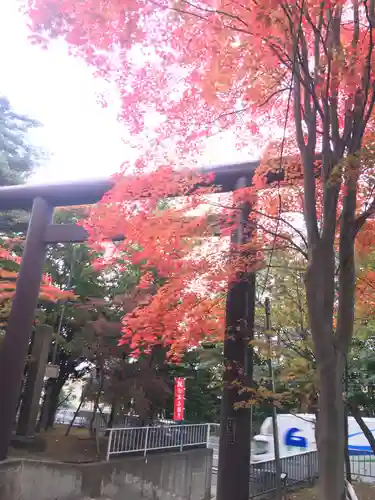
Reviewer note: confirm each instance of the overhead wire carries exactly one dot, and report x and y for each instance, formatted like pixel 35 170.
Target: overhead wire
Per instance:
pixel 294 60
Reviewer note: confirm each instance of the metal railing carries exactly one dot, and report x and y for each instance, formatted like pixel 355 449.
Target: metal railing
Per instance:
pixel 119 421
pixel 302 468
pixel 144 439
pixel 84 417
pixel 297 469
pixel 362 466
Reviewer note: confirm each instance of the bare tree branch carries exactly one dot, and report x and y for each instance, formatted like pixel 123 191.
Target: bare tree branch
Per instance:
pixel 284 221
pixel 283 237
pixel 361 219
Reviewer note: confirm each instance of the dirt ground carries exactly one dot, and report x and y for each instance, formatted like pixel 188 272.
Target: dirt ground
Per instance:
pixel 76 447
pixel 364 492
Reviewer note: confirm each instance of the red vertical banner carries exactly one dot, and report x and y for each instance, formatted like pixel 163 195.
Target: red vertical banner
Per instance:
pixel 179 399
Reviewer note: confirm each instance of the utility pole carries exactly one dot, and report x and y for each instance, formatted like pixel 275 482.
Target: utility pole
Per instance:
pixel 275 429
pixel 348 473
pixel 235 425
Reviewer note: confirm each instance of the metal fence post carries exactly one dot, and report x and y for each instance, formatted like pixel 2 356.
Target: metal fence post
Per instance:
pixel 146 441
pixel 109 444
pixel 181 439
pixel 310 468
pixel 208 434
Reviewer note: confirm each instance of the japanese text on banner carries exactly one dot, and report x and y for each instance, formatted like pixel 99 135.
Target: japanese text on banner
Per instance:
pixel 179 399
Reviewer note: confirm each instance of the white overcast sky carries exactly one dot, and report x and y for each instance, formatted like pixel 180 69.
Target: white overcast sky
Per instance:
pixel 85 139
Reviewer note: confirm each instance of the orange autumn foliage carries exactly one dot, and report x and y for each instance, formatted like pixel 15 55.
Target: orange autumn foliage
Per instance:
pixel 8 281
pixel 203 67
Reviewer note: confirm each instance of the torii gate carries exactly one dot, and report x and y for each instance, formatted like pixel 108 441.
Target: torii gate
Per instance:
pixel 235 435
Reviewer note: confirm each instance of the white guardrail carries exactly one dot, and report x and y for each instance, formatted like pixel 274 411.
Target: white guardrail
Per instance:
pixel 144 439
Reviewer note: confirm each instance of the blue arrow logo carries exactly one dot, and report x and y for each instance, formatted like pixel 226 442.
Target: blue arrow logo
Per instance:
pixel 292 440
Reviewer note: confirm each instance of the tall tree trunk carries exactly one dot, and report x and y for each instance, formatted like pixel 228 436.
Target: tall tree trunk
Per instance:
pixel 331 433
pixel 112 415
pixel 50 401
pixel 92 420
pixel 330 367
pixel 53 405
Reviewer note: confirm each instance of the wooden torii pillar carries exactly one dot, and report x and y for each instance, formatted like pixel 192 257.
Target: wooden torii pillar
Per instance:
pixel 41 231
pixel 42 199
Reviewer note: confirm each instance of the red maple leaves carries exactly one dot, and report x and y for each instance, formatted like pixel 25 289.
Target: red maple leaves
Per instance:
pixel 186 71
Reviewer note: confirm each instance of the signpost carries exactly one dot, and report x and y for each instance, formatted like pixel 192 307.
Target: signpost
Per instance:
pixel 179 399
pixel 52 371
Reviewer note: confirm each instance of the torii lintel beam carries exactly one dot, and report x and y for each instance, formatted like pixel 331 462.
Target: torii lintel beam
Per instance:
pixel 68 233
pixel 87 192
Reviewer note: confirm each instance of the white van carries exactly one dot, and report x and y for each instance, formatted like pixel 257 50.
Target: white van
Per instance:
pixel 297 435
pixel 65 416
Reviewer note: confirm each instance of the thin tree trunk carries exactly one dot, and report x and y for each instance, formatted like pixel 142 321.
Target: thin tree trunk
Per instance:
pixel 96 403
pixel 42 409
pixel 25 372
pixel 20 399
pixel 52 403
pixel 95 409
pixel 52 409
pixel 362 425
pixel 59 404
pixel 112 415
pixel 103 416
pixel 75 415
